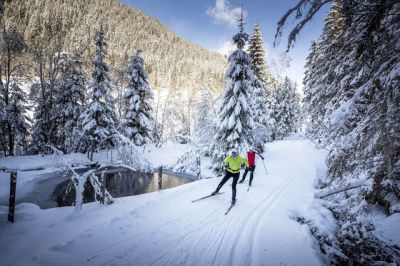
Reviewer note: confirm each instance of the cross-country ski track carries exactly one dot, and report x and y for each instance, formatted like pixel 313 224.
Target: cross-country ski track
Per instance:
pixel 166 228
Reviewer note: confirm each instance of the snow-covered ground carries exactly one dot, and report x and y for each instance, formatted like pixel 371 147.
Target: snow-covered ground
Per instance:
pixel 166 228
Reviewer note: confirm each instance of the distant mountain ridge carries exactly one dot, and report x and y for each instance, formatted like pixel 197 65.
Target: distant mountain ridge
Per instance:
pixel 170 61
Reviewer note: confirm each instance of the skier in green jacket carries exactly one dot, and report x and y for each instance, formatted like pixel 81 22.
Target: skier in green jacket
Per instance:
pixel 233 164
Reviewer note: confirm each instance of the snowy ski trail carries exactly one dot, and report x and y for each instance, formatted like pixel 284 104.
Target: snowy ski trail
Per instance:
pixel 166 228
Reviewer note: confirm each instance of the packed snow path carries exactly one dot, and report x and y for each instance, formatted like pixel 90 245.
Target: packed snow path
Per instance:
pixel 165 228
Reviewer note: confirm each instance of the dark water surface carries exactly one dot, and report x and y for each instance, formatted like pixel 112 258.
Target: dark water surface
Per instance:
pixel 51 190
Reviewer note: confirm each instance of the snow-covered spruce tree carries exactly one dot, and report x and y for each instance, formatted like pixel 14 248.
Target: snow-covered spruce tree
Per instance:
pixel 312 72
pixel 137 118
pixel 262 93
pixel 39 94
pixel 264 123
pixel 288 111
pixel 70 102
pixel 98 121
pixel 18 118
pixel 258 57
pixel 257 53
pixel 235 122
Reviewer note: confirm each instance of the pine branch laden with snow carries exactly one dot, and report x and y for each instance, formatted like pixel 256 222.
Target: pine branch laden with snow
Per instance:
pixel 98 121
pixel 235 122
pixel 137 118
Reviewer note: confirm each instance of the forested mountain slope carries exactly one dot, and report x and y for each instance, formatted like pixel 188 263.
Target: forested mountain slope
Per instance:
pixel 171 61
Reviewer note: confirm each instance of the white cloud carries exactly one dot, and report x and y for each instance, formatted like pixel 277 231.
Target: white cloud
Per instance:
pixel 224 13
pixel 225 48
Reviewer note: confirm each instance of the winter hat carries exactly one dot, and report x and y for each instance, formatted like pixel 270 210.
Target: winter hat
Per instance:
pixel 234 150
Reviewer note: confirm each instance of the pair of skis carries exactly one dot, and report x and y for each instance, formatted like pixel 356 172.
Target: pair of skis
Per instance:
pixel 211 195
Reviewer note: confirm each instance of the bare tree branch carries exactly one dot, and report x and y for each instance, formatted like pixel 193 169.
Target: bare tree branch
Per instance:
pixel 338 191
pixel 315 6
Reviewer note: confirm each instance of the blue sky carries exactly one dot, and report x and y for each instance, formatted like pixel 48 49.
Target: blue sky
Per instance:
pixel 210 24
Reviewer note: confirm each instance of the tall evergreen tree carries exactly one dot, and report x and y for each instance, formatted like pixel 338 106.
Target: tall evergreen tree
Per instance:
pixel 98 121
pixel 262 93
pixel 18 118
pixel 235 116
pixel 40 95
pixel 257 54
pixel 70 101
pixel 137 118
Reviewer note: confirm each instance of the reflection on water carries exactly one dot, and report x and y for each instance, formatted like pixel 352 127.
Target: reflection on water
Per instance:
pixel 121 183
pixel 128 183
pixel 56 190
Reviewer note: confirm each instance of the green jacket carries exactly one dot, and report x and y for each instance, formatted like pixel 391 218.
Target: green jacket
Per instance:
pixel 233 165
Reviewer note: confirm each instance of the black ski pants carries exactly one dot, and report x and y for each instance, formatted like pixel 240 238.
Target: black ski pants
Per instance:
pixel 251 170
pixel 234 182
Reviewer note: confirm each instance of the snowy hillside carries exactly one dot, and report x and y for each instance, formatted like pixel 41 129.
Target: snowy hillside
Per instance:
pixel 170 59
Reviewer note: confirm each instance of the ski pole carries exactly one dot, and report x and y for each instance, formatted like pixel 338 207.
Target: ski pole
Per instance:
pixel 265 168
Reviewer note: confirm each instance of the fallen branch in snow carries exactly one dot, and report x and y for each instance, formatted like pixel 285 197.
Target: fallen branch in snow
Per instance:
pixel 338 191
pixel 332 189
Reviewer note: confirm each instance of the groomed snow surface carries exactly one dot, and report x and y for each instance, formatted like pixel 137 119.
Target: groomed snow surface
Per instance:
pixel 166 228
